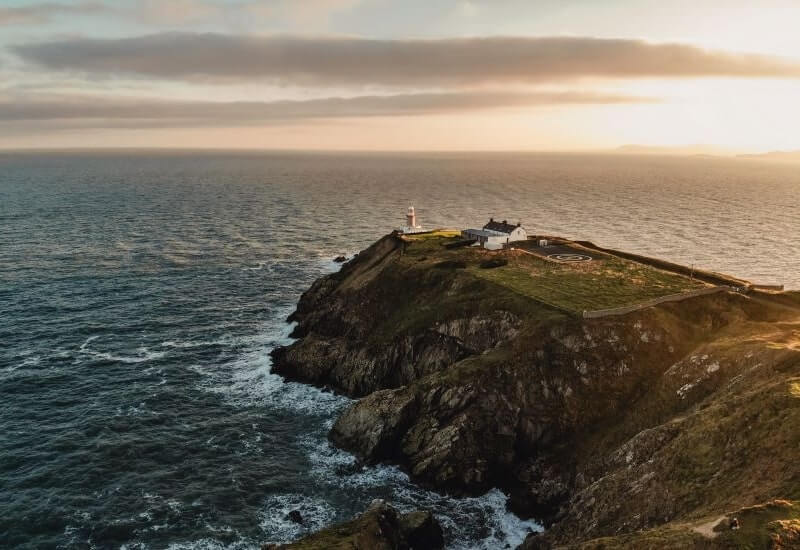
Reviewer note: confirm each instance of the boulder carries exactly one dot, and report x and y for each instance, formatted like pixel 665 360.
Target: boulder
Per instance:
pixel 295 516
pixel 380 527
pixel 421 530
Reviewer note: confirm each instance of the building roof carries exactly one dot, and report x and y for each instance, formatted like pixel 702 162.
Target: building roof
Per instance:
pixel 502 227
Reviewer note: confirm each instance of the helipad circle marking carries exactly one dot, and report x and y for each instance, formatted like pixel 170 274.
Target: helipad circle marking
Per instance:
pixel 570 257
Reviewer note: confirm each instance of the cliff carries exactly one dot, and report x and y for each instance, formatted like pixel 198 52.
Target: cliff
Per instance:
pixel 666 418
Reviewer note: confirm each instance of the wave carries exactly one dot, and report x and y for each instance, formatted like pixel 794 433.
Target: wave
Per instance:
pixel 207 544
pixel 474 522
pixel 316 513
pixel 144 354
pixel 246 381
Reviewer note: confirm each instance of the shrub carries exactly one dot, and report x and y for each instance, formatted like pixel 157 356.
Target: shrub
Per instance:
pixel 493 262
pixel 451 264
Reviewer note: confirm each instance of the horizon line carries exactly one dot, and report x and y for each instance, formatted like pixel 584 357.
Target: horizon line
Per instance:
pixel 620 150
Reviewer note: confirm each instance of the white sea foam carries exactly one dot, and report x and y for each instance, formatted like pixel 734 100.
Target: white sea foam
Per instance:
pixel 191 344
pixel 31 361
pixel 315 511
pixel 247 380
pixel 480 522
pixel 135 410
pixel 87 342
pixel 143 354
pixel 212 544
pixel 458 516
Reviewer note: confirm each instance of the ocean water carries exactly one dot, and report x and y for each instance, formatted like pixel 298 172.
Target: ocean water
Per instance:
pixel 141 293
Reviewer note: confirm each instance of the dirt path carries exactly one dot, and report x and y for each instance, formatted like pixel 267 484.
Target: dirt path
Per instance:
pixel 707 529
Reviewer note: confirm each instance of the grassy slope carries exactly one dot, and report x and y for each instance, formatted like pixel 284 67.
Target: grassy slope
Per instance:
pixel 599 284
pixel 418 295
pixel 773 525
pixel 730 417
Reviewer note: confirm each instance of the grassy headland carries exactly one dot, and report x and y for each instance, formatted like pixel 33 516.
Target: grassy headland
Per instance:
pixel 642 430
pixel 604 282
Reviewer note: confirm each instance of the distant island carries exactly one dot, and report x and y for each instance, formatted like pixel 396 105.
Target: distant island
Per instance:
pixel 705 151
pixel 786 156
pixel 622 401
pixel 678 150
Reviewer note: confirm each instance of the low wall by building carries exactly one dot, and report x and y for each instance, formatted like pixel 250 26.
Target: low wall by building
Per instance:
pixel 771 288
pixel 654 302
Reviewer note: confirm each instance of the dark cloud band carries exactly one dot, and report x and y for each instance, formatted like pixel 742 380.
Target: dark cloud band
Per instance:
pixel 352 61
pixel 114 112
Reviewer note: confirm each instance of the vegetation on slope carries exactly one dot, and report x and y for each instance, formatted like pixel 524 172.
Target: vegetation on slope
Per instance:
pixel 605 282
pixel 774 525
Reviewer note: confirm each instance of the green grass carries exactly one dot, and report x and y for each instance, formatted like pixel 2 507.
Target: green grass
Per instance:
pixel 431 244
pixel 603 283
pixel 426 303
pixel 599 284
pixel 758 525
pixel 436 234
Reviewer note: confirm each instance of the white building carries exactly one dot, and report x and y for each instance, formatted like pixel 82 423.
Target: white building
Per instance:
pixel 496 235
pixel 411 222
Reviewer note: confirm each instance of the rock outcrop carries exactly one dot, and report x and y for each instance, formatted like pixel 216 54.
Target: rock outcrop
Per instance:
pixel 381 527
pixel 596 427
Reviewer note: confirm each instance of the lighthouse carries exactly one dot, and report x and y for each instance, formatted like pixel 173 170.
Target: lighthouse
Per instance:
pixel 411 217
pixel 411 222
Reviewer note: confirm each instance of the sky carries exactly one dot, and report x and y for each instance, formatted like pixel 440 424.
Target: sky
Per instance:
pixel 516 75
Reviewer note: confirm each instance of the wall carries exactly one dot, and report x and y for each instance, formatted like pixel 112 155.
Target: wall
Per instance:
pixel 767 287
pixel 654 302
pixel 699 274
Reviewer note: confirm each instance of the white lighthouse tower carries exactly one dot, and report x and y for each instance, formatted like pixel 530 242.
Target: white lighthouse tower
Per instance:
pixel 411 217
pixel 411 222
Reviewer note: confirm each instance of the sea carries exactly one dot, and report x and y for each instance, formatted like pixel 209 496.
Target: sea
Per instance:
pixel 141 293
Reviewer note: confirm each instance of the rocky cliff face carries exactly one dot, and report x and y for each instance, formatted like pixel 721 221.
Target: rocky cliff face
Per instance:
pixel 598 427
pixel 354 325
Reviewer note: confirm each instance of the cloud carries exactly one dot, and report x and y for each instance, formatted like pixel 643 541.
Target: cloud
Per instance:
pixel 178 12
pixel 112 112
pixel 355 61
pixel 298 12
pixel 175 11
pixel 44 12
